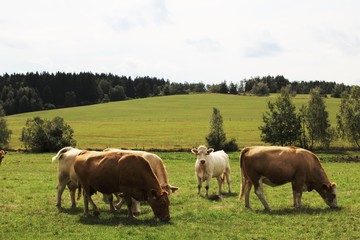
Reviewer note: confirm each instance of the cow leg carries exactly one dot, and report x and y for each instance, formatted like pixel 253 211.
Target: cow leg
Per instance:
pixel 87 199
pixel 220 182
pixel 227 177
pixel 111 202
pixel 207 187
pixel 199 185
pixel 60 189
pixel 247 188
pixel 135 207
pixel 128 202
pixel 72 188
pixel 297 193
pixel 260 193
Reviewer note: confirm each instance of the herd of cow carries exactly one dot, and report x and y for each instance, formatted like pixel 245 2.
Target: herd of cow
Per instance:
pixel 134 176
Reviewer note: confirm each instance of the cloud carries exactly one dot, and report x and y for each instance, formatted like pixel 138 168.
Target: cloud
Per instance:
pixel 205 45
pixel 263 49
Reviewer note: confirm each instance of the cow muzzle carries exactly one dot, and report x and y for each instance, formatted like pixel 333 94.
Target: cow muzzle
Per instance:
pixel 202 161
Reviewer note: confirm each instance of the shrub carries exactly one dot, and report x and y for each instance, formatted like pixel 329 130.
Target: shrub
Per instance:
pixel 42 135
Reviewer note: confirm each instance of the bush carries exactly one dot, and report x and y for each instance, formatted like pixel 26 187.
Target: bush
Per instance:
pixel 42 135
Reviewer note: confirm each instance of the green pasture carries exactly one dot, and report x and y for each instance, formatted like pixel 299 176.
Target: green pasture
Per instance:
pixel 28 211
pixel 165 123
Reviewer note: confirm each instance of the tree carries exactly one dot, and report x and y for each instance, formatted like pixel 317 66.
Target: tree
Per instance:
pixel 117 93
pixel 217 137
pixel 281 124
pixel 5 133
pixel 317 120
pixel 42 135
pixel 348 119
pixel 260 89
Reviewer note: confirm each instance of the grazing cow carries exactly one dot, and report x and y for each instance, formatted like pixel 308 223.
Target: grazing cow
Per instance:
pixel 275 166
pixel 66 157
pixel 159 169
pixel 114 172
pixel 211 164
pixel 2 155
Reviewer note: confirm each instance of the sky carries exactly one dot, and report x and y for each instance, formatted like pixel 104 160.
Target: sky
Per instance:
pixel 208 41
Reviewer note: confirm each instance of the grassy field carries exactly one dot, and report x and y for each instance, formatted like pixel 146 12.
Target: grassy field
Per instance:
pixel 28 211
pixel 171 122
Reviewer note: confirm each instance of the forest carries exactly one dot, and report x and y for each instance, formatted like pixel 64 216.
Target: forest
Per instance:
pixel 35 91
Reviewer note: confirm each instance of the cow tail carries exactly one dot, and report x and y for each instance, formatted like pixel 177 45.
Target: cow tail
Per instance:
pixel 242 172
pixel 60 153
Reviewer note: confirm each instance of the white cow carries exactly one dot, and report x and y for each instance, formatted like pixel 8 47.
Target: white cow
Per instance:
pixel 211 164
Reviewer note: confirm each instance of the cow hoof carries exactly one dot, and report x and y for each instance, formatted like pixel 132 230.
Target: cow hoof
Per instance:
pixel 96 213
pixel 136 214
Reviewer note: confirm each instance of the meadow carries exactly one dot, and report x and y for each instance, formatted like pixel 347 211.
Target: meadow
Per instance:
pixel 176 122
pixel 28 181
pixel 28 211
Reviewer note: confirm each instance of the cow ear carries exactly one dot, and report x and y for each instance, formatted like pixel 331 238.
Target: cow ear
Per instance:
pixel 173 188
pixel 5 152
pixel 194 151
pixel 210 150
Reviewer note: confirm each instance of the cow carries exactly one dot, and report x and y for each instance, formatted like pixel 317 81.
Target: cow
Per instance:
pixel 210 164
pixel 159 169
pixel 2 155
pixel 66 157
pixel 114 172
pixel 276 166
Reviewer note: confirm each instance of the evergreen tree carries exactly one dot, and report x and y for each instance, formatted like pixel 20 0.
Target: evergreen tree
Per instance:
pixel 281 124
pixel 217 137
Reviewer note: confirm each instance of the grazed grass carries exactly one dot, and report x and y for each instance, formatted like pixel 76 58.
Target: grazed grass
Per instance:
pixel 28 196
pixel 171 122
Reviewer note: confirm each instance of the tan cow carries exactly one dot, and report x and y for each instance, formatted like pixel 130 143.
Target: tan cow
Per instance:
pixel 275 166
pixel 159 169
pixel 114 172
pixel 66 157
pixel 2 155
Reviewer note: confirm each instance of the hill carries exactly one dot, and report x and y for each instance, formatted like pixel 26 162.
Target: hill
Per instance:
pixel 174 122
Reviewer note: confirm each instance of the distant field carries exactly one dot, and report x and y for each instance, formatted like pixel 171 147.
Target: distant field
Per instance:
pixel 171 122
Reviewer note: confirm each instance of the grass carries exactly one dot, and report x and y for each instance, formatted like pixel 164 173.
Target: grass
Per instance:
pixel 28 211
pixel 172 122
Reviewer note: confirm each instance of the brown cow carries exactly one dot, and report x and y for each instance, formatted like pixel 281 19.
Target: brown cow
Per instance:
pixel 275 166
pixel 2 155
pixel 159 169
pixel 114 172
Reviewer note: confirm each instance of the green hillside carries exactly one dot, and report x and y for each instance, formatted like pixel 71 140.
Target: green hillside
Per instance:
pixel 171 122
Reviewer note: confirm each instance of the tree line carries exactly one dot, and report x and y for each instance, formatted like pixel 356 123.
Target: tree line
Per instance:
pixel 42 91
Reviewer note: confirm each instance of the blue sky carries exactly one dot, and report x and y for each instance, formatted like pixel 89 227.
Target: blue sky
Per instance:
pixel 205 41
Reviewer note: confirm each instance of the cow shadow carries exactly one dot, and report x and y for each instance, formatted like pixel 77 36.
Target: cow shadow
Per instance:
pixel 70 211
pixel 120 218
pixel 217 197
pixel 116 220
pixel 297 211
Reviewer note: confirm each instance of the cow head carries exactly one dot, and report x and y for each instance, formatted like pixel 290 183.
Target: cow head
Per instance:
pixel 159 202
pixel 2 155
pixel 201 153
pixel 329 194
